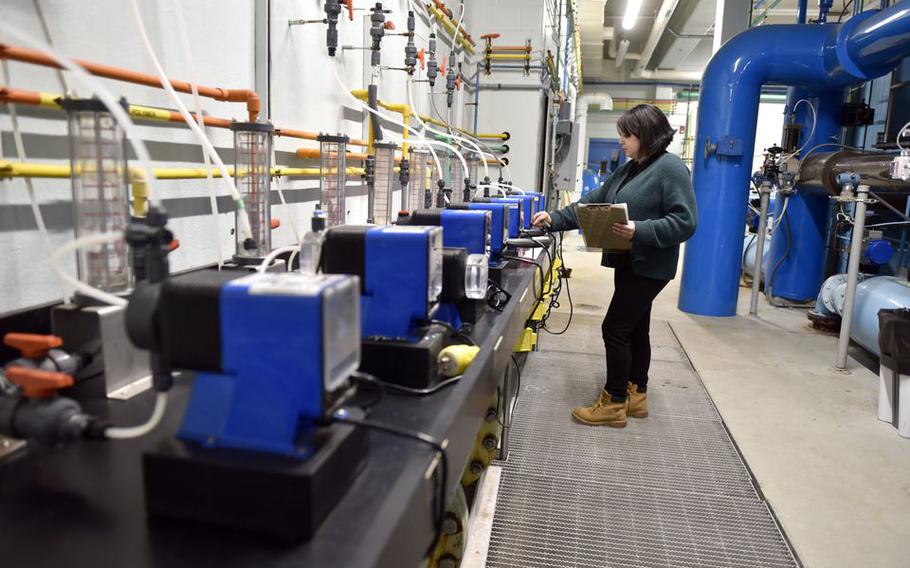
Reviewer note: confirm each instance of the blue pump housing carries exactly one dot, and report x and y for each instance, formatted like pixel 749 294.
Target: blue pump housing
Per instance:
pixel 288 340
pixel 402 280
pixel 466 229
pixel 528 207
pixel 499 229
pixel 516 214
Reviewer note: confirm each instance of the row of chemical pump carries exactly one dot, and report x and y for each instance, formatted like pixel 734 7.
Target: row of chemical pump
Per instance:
pixel 378 299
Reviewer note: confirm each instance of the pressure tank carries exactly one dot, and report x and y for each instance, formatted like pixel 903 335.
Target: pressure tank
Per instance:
pixel 872 294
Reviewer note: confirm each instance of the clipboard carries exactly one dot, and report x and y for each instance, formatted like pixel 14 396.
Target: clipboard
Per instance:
pixel 596 221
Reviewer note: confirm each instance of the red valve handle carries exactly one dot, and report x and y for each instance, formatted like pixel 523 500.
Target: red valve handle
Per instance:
pixel 173 245
pixel 32 345
pixel 458 82
pixel 36 383
pixel 442 68
pixel 274 223
pixel 390 25
pixel 350 6
pixel 421 55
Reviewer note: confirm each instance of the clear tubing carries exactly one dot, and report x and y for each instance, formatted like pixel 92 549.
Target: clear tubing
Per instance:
pixel 418 186
pixel 383 184
pixel 456 181
pixel 100 197
pixel 67 279
pixel 197 105
pixel 252 171
pixel 244 227
pixel 422 140
pixel 332 180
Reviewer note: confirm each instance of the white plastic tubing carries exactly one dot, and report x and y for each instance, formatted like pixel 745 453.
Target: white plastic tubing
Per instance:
pixel 243 217
pixel 134 139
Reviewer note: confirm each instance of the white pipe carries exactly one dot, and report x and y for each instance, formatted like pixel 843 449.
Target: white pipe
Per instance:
pixel 76 284
pixel 244 229
pixel 389 118
pixel 197 104
pixel 267 261
pixel 143 429
pixel 621 52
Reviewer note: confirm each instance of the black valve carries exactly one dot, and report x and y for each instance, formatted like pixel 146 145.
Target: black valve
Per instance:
pixel 332 11
pixel 377 31
pixel 410 50
pixel 432 64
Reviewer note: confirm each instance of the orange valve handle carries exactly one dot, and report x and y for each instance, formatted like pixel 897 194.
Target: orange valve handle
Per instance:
pixel 489 36
pixel 458 82
pixel 36 383
pixel 389 25
pixel 442 68
pixel 422 56
pixel 350 7
pixel 173 245
pixel 32 345
pixel 274 223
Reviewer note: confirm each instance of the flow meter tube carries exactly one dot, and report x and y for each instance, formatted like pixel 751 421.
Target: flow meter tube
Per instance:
pixel 332 178
pixel 253 176
pixel 384 182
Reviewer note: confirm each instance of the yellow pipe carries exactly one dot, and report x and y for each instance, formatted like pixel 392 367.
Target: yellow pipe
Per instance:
pixel 401 108
pixel 450 27
pixel 526 57
pixel 137 175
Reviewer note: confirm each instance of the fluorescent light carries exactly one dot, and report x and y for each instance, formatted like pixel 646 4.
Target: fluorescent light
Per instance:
pixel 633 7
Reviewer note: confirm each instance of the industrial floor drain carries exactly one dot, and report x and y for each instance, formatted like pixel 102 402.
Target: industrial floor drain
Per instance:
pixel 667 491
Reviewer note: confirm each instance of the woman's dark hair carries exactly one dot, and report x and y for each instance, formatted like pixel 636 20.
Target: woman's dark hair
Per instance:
pixel 650 125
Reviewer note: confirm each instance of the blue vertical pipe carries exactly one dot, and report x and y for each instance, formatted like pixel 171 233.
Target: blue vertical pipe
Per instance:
pixel 820 57
pixel 802 6
pixel 800 261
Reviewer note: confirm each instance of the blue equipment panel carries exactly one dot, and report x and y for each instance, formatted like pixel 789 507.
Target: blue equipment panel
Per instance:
pixel 402 280
pixel 499 230
pixel 466 229
pixel 528 203
pixel 516 214
pixel 272 388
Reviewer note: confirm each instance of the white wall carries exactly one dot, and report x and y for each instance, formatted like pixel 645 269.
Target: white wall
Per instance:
pixel 304 95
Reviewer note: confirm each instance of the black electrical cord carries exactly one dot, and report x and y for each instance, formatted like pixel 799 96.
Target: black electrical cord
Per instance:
pixel 369 379
pixel 538 294
pixel 439 509
pixel 386 387
pixel 455 331
pixel 492 301
pixel 563 279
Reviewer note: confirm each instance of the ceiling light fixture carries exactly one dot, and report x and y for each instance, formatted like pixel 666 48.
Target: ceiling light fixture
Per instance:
pixel 633 7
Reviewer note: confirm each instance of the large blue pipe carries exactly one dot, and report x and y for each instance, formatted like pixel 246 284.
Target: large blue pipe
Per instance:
pixel 798 247
pixel 821 57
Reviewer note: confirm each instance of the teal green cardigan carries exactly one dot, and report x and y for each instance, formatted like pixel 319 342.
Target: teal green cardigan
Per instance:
pixel 661 201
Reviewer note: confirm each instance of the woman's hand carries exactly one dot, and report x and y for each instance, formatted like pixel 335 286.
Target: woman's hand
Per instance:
pixel 626 231
pixel 541 219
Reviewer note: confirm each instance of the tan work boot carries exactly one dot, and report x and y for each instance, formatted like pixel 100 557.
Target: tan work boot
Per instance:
pixel 636 403
pixel 604 412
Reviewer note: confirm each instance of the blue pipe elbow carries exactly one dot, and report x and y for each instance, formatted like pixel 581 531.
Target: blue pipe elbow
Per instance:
pixel 823 58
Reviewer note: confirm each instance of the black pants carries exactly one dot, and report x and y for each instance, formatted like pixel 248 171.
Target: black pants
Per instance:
pixel 626 331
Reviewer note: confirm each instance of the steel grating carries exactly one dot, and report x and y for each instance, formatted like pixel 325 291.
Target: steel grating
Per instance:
pixel 667 491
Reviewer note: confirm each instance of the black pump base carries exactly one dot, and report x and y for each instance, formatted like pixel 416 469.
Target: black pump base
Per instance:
pixel 275 495
pixel 411 365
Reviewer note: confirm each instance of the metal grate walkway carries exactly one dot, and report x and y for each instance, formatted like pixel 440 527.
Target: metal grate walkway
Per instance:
pixel 667 491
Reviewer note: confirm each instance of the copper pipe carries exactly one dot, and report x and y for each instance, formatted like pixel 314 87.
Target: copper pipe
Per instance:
pixel 247 96
pixel 315 153
pixel 524 48
pixel 304 135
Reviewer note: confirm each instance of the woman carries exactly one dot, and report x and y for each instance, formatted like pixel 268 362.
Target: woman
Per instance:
pixel 657 189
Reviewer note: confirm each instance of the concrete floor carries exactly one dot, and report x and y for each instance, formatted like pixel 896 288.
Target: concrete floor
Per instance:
pixel 836 477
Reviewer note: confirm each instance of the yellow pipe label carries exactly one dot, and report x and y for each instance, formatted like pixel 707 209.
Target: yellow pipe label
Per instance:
pixel 50 100
pixel 150 113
